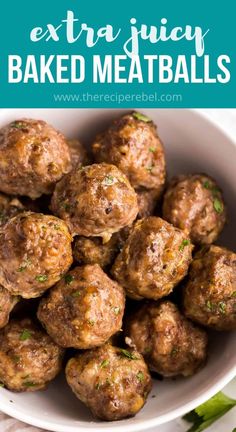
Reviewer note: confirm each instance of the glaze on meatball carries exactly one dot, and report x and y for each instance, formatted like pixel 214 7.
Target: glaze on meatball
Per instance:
pixel 84 309
pixel 9 207
pixel 195 204
pixel 96 200
pixel 35 250
pixel 7 303
pixel 154 259
pixel 210 292
pixel 78 153
pixel 132 144
pixel 29 359
pixel 114 383
pixel 170 344
pixel 33 157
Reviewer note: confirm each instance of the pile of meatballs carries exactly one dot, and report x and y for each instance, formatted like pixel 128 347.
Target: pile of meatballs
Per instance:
pixel 107 270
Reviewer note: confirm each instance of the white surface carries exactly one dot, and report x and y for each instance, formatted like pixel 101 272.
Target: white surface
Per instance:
pixel 192 144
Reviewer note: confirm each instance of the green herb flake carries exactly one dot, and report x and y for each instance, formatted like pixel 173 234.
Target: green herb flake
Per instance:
pixel 184 243
pixel 141 117
pixel 57 227
pixel 116 310
pixel 76 294
pixel 2 385
pixel 233 294
pixel 97 386
pixel 207 185
pixel 18 125
pixel 24 265
pixel 174 352
pixel 140 376
pixel 66 206
pixel 152 149
pixel 209 305
pixel 91 322
pixel 69 279
pixel 218 205
pixel 29 384
pixel 128 354
pixel 25 334
pixel 16 358
pixel 108 180
pixel 104 363
pixel 207 413
pixel 222 307
pixel 41 278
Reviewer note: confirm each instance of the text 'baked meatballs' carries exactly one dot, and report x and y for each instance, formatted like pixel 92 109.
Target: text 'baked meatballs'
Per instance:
pixel 114 383
pixel 35 250
pixel 210 292
pixel 7 303
pixel 33 157
pixel 132 144
pixel 96 200
pixel 84 309
pixel 195 204
pixel 29 359
pixel 153 260
pixel 170 344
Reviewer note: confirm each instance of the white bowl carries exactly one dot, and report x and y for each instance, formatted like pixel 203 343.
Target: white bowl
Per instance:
pixel 193 144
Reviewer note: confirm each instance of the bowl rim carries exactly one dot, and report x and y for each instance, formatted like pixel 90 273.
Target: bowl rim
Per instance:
pixel 146 424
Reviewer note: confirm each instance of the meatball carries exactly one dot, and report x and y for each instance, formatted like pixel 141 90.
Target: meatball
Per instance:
pixel 132 144
pixel 29 359
pixel 147 200
pixel 210 292
pixel 93 251
pixel 84 309
pixel 96 200
pixel 7 303
pixel 78 154
pixel 170 344
pixel 153 260
pixel 195 204
pixel 114 383
pixel 33 157
pixel 9 207
pixel 35 250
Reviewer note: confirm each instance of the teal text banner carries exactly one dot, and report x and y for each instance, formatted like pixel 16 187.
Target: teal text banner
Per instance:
pixel 77 53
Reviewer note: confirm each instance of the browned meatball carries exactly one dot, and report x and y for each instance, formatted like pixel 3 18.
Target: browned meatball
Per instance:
pixel 195 204
pixel 147 199
pixel 9 207
pixel 78 153
pixel 35 250
pixel 33 157
pixel 96 200
pixel 153 260
pixel 170 344
pixel 132 144
pixel 93 251
pixel 84 309
pixel 210 293
pixel 7 303
pixel 29 359
pixel 114 383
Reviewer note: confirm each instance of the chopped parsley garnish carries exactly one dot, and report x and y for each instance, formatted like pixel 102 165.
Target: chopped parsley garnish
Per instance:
pixel 141 117
pixel 56 226
pixel 234 294
pixel 97 386
pixel 218 205
pixel 29 384
pixel 207 185
pixel 90 322
pixel 116 310
pixel 2 385
pixel 184 243
pixel 152 149
pixel 76 294
pixel 25 334
pixel 140 376
pixel 108 180
pixel 209 305
pixel 104 363
pixel 207 413
pixel 16 358
pixel 222 307
pixel 41 278
pixel 69 279
pixel 128 354
pixel 18 125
